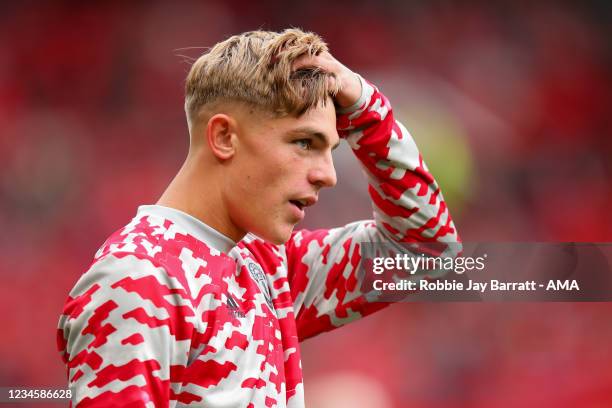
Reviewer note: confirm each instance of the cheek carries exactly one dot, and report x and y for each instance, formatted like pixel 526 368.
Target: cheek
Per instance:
pixel 257 190
pixel 276 175
pixel 267 179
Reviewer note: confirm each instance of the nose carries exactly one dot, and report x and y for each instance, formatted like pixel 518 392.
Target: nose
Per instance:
pixel 323 173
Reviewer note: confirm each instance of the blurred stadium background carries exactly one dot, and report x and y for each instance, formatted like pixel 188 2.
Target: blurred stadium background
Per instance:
pixel 509 102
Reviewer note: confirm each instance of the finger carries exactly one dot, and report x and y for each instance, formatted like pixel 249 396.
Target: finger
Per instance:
pixel 306 61
pixel 324 61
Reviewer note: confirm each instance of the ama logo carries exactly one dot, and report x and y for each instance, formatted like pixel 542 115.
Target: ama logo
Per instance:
pixel 562 285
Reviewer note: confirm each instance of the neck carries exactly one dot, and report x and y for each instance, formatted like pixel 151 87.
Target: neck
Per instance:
pixel 196 191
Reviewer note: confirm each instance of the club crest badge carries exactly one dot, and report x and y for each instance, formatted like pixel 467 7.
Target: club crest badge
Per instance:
pixel 258 275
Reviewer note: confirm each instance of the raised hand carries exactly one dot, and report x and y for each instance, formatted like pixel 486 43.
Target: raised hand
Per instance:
pixel 350 85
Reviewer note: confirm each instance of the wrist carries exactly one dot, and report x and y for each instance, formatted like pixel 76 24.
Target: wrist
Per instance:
pixel 358 101
pixel 350 91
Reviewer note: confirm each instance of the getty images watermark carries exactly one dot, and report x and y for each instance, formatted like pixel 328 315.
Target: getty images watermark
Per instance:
pixel 489 271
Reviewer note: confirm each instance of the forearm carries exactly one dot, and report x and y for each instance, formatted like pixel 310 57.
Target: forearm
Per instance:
pixel 325 266
pixel 408 204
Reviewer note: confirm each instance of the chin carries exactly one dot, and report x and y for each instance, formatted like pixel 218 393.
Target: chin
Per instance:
pixel 277 236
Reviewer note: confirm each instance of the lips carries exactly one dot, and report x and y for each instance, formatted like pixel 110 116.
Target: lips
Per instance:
pixel 303 202
pixel 299 204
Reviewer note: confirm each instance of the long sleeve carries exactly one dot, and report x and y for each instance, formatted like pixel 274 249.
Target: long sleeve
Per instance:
pixel 408 207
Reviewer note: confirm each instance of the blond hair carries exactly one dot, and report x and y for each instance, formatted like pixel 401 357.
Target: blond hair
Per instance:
pixel 256 68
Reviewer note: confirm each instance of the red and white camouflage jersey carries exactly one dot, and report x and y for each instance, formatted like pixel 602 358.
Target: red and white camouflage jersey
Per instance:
pixel 171 313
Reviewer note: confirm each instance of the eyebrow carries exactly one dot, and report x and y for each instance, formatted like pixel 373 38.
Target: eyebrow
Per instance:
pixel 315 133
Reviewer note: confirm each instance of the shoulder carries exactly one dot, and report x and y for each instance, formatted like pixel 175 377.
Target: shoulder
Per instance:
pixel 154 259
pixel 127 279
pixel 152 241
pixel 145 236
pixel 118 274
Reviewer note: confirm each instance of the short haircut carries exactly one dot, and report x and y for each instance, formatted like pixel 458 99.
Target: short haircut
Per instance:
pixel 256 68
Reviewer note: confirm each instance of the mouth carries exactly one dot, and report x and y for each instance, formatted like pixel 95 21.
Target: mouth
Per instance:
pixel 301 203
pixel 298 203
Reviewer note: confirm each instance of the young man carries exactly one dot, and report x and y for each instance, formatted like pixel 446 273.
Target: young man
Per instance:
pixel 202 299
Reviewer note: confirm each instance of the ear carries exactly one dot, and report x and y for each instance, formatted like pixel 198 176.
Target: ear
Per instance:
pixel 220 134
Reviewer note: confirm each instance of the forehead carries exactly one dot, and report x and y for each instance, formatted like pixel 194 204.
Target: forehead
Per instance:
pixel 321 118
pixel 322 111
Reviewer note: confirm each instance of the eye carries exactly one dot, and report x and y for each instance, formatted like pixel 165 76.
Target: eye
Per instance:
pixel 305 144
